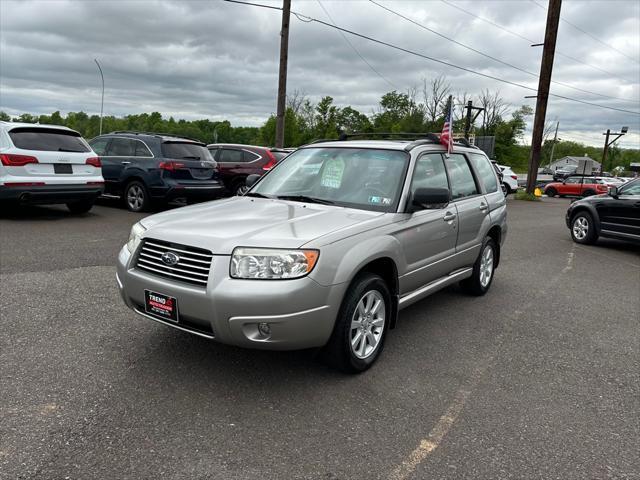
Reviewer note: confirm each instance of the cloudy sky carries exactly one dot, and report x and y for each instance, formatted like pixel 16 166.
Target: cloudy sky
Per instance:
pixel 218 60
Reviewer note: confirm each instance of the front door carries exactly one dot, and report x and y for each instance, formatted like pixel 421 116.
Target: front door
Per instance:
pixel 621 215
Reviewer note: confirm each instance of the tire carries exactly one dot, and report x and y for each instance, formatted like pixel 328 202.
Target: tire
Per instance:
pixel 136 197
pixel 583 229
pixel 588 193
pixel 507 188
pixel 483 269
pixel 239 188
pixel 80 207
pixel 349 349
pixel 550 192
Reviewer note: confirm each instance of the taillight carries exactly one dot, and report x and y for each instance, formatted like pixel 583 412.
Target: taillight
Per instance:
pixel 11 160
pixel 515 177
pixel 170 166
pixel 95 161
pixel 604 188
pixel 271 163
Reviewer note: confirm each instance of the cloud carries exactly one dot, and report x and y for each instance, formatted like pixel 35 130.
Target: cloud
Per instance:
pixel 219 60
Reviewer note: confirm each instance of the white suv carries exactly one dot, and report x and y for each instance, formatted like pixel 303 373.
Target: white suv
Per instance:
pixel 509 178
pixel 48 164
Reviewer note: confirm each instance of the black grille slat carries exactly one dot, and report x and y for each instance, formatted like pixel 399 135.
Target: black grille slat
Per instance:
pixel 193 267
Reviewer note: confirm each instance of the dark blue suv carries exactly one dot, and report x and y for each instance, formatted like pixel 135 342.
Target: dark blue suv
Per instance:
pixel 146 168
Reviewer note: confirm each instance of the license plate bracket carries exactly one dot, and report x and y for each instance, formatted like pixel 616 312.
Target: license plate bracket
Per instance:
pixel 161 306
pixel 62 168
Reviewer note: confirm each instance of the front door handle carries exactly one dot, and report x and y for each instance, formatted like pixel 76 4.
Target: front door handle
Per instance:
pixel 449 216
pixel 125 163
pixel 484 207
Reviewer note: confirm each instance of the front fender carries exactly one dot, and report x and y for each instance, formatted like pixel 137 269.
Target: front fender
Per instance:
pixel 587 206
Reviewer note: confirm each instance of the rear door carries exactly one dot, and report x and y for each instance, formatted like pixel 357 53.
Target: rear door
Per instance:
pixel 473 209
pixel 54 155
pixel 191 162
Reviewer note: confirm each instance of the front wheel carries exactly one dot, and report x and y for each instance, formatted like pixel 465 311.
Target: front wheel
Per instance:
pixel 582 228
pixel 360 330
pixel 480 280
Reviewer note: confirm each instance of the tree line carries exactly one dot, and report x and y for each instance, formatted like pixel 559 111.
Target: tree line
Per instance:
pixel 418 110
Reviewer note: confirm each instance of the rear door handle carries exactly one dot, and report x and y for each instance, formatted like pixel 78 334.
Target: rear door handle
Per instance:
pixel 449 216
pixel 125 163
pixel 484 207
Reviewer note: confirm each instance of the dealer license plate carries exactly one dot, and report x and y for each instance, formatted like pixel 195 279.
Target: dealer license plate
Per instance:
pixel 161 306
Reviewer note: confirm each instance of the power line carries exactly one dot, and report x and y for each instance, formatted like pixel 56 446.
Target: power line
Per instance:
pixel 356 50
pixel 529 40
pixel 492 57
pixel 589 34
pixel 442 62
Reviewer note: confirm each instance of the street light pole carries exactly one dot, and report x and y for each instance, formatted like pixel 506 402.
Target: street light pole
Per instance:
pixel 608 143
pixel 102 100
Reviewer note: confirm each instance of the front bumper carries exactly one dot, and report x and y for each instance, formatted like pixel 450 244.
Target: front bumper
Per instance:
pixel 50 194
pixel 300 312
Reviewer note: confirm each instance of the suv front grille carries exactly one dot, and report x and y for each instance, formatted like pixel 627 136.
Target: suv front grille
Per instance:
pixel 192 267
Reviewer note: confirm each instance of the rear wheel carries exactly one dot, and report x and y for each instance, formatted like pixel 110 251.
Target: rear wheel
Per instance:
pixel 80 207
pixel 588 193
pixel 360 330
pixel 507 188
pixel 239 188
pixel 480 280
pixel 551 192
pixel 583 228
pixel 136 197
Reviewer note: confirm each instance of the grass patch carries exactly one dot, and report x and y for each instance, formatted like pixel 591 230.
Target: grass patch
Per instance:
pixel 523 195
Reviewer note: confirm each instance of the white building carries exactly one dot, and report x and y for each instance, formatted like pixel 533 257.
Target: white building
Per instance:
pixel 564 161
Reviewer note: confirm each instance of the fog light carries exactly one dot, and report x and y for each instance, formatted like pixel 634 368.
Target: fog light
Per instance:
pixel 264 329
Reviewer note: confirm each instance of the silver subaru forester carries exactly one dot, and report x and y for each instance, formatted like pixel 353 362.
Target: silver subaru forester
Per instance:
pixel 324 250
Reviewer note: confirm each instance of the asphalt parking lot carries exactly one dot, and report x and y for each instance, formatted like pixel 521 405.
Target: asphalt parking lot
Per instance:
pixel 538 379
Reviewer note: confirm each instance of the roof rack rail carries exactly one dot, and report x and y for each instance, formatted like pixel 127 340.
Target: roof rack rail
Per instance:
pixel 157 134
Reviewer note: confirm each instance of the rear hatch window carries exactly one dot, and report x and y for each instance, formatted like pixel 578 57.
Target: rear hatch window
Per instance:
pixel 48 140
pixel 192 161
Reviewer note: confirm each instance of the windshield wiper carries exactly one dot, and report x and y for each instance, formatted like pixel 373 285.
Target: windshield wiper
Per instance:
pixel 255 194
pixel 305 198
pixel 61 149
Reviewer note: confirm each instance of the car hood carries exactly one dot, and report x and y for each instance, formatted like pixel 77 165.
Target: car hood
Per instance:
pixel 222 225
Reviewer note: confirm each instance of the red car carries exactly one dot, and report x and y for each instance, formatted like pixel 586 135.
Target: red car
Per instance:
pixel 576 186
pixel 237 162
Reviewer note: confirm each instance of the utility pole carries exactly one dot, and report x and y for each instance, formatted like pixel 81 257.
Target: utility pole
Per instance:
pixel 469 120
pixel 607 144
pixel 282 81
pixel 553 147
pixel 546 67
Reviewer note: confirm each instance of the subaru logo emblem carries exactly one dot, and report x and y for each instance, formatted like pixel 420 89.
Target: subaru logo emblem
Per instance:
pixel 170 258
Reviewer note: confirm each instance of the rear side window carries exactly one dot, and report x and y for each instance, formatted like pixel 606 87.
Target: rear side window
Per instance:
pixel 47 139
pixel 485 171
pixel 141 149
pixel 185 151
pixel 462 182
pixel 228 155
pixel 250 156
pixel 121 147
pixel 99 145
pixel 429 173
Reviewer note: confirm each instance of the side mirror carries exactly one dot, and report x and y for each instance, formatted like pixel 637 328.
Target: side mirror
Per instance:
pixel 613 192
pixel 426 198
pixel 251 180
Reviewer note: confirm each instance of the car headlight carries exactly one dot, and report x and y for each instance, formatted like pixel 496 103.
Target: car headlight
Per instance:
pixel 135 236
pixel 266 263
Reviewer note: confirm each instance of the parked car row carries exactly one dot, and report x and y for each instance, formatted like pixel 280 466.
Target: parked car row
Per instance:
pixel 48 164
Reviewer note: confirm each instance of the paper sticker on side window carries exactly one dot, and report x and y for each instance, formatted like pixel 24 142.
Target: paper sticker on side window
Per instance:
pixel 332 174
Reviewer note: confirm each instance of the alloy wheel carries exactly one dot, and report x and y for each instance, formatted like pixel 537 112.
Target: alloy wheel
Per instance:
pixel 135 197
pixel 367 324
pixel 486 266
pixel 580 228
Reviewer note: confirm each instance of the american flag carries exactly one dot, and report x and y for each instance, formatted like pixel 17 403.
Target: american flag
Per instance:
pixel 446 137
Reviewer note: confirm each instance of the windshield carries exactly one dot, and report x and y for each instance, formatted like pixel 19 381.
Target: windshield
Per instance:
pixel 351 177
pixel 48 139
pixel 185 151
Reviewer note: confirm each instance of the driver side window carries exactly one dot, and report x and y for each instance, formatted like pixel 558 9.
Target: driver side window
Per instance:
pixel 429 173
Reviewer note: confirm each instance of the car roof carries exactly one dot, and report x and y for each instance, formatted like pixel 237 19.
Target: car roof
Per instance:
pixel 243 145
pixel 165 137
pixel 11 125
pixel 402 145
